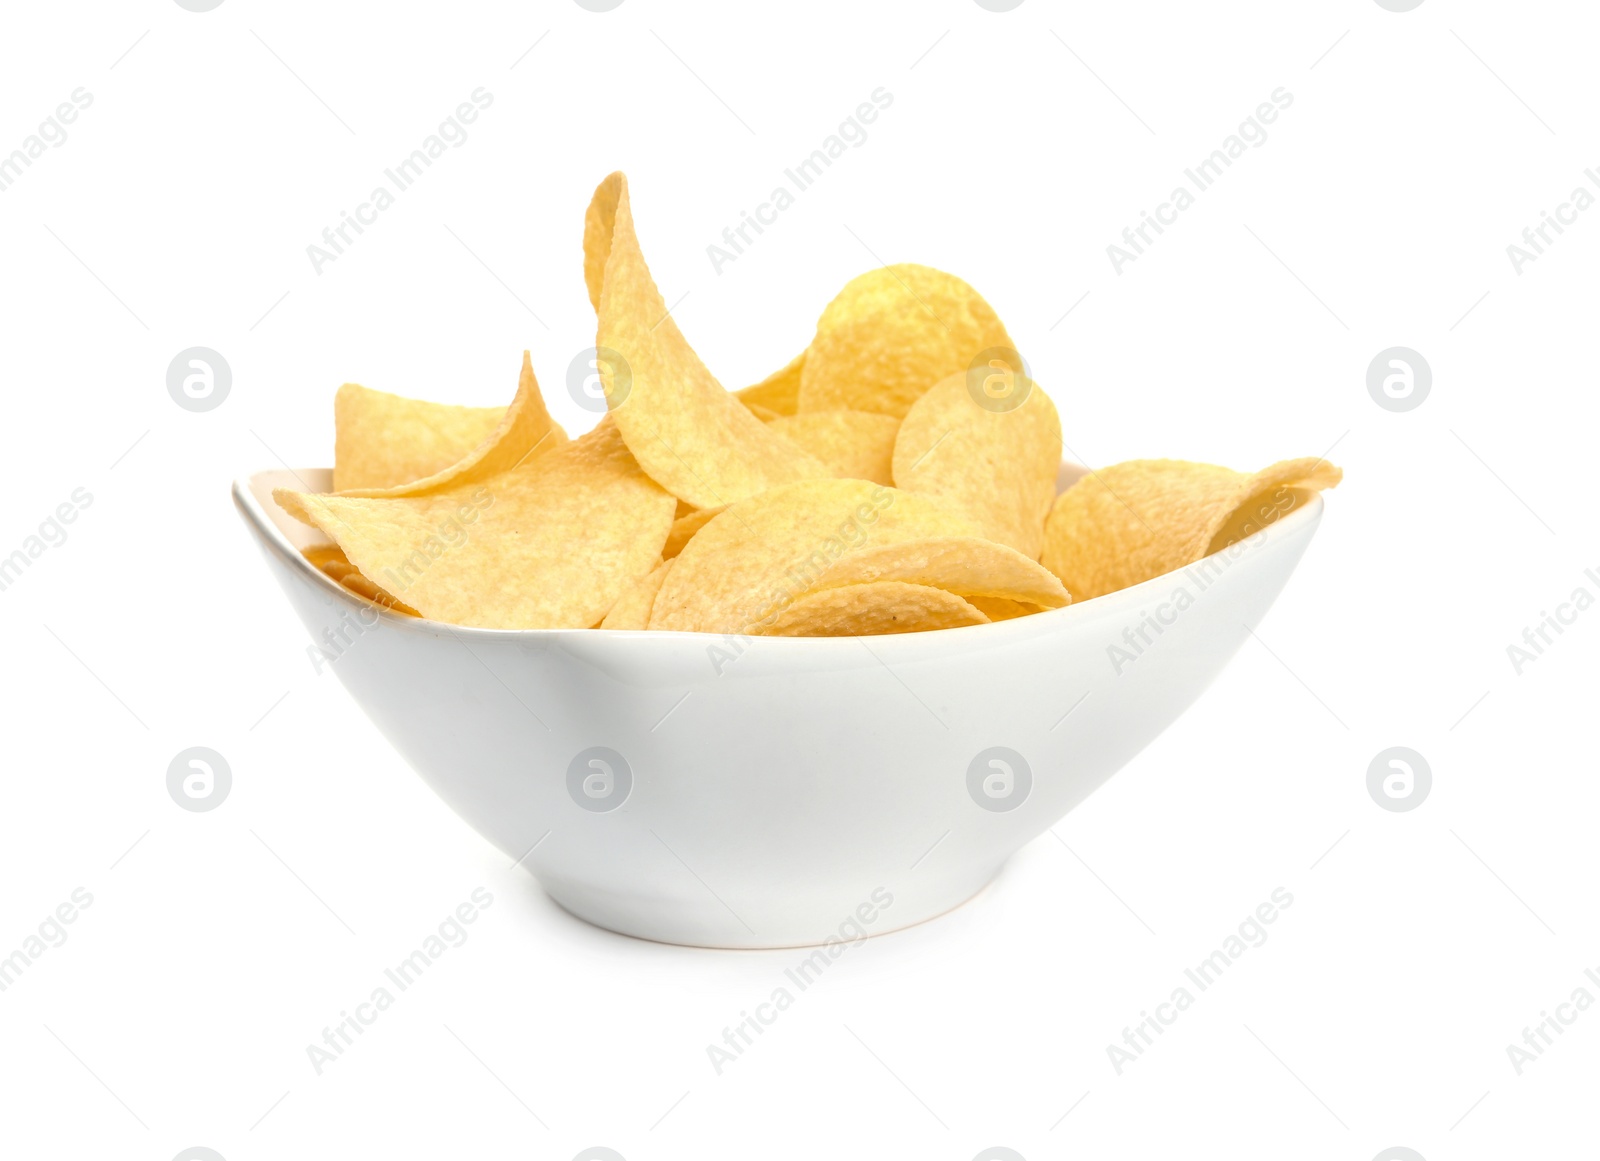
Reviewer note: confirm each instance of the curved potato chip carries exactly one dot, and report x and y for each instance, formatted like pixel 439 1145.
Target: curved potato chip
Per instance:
pixel 750 562
pixel 998 466
pixel 1137 520
pixel 692 437
pixel 764 414
pixel 779 392
pixel 684 528
pixel 891 334
pixel 855 445
pixel 871 609
pixel 1000 609
pixel 964 565
pixel 362 587
pixel 552 543
pixel 632 610
pixel 525 430
pixel 380 440
pixel 326 556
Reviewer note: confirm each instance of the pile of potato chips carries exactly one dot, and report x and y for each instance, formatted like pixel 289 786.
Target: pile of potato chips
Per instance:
pixel 899 475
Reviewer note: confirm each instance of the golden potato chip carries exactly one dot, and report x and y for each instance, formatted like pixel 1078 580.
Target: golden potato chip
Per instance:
pixel 764 414
pixel 684 528
pixel 752 561
pixel 855 445
pixel 870 609
pixel 598 220
pixel 996 460
pixel 380 440
pixel 1137 520
pixel 362 587
pixel 779 392
pixel 1000 609
pixel 525 429
pixel 331 560
pixel 966 566
pixel 890 335
pixel 551 543
pixel 632 610
pixel 323 555
pixel 692 437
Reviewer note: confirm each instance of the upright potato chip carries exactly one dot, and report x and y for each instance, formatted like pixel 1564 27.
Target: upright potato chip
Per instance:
pixel 632 610
pixel 525 430
pixel 1137 520
pixel 551 543
pixel 691 436
pixel 380 440
pixel 890 335
pixel 752 561
pixel 996 459
pixel 870 609
pixel 964 565
pixel 779 392
pixel 854 445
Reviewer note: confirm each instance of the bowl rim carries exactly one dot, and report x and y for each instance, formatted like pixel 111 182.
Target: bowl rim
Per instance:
pixel 257 518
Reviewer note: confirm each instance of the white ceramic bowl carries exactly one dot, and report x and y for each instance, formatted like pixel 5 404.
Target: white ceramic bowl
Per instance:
pixel 778 792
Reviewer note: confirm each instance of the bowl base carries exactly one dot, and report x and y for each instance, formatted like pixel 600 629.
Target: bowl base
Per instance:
pixel 644 918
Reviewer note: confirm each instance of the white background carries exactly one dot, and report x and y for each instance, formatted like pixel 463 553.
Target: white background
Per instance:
pixel 219 945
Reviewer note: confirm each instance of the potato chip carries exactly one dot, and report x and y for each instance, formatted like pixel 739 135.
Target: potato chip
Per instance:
pixel 692 437
pixel 890 335
pixel 779 392
pixel 870 609
pixel 551 543
pixel 764 414
pixel 996 460
pixel 854 445
pixel 750 562
pixel 525 429
pixel 380 440
pixel 632 610
pixel 362 587
pixel 331 560
pixel 1000 609
pixel 1128 523
pixel 684 528
pixel 325 555
pixel 964 565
